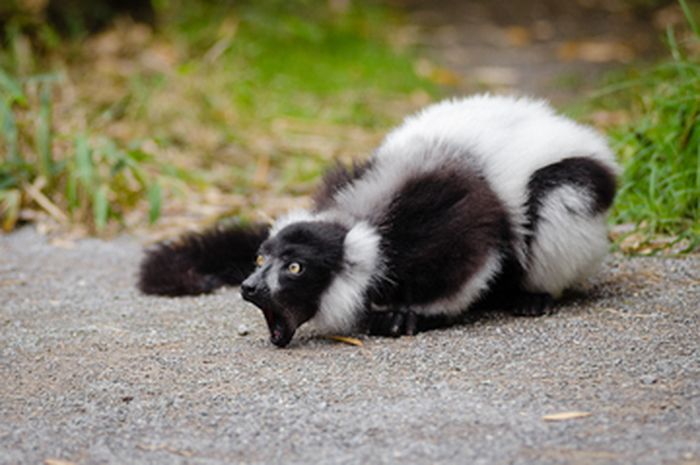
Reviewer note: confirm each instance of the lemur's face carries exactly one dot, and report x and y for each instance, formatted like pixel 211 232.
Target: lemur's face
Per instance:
pixel 294 268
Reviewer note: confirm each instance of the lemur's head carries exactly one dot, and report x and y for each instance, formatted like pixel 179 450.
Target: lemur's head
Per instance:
pixel 295 267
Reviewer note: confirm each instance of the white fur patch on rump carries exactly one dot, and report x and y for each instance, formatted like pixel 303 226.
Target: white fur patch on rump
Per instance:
pixel 342 304
pixel 569 244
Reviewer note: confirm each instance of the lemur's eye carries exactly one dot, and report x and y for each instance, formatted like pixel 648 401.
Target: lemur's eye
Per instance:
pixel 294 268
pixel 260 260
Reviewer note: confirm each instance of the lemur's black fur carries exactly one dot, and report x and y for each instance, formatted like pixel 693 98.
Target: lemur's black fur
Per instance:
pixel 437 232
pixel 199 263
pixel 335 179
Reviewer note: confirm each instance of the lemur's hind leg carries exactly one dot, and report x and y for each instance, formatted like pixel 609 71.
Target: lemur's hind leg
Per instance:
pixel 567 237
pixel 565 240
pixel 506 294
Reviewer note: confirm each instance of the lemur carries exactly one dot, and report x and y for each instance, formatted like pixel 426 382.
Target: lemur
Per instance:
pixel 485 200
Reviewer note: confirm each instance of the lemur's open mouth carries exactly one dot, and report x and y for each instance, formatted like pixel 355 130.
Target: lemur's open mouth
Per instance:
pixel 280 322
pixel 281 328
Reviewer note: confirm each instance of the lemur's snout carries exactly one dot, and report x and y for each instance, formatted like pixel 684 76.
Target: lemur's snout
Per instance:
pixel 254 290
pixel 248 289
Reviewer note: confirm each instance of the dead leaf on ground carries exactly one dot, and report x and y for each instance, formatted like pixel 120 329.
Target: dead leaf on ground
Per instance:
pixel 604 119
pixel 518 36
pixel 496 75
pixel 595 52
pixel 562 416
pixel 57 462
pixel 158 447
pixel 346 340
pixel 436 74
pixel 643 244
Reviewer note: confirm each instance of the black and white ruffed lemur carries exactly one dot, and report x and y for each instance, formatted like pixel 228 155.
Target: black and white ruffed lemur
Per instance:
pixel 471 201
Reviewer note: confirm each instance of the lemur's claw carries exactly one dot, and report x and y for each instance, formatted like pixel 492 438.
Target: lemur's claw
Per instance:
pixel 393 323
pixel 533 304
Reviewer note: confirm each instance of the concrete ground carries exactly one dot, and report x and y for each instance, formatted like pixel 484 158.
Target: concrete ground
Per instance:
pixel 94 373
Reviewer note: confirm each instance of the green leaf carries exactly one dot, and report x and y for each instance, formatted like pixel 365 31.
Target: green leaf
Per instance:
pixel 7 180
pixel 118 166
pixel 12 88
pixel 100 207
pixel 155 198
pixel 72 190
pixel 84 163
pixel 9 132
pixel 10 202
pixel 689 17
pixel 139 156
pixel 44 135
pixel 139 174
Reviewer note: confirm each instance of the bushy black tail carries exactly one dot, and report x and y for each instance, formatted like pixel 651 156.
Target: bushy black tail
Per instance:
pixel 198 263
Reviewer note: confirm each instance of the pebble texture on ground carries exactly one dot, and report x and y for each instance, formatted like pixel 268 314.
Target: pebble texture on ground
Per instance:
pixel 94 373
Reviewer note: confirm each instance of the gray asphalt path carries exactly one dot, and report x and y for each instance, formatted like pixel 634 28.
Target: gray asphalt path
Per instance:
pixel 91 372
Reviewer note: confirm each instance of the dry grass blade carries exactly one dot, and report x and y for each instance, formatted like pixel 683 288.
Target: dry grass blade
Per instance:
pixel 158 447
pixel 57 462
pixel 562 416
pixel 34 192
pixel 346 340
pixel 10 203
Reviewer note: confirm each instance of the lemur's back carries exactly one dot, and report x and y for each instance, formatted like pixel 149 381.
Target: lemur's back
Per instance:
pixel 508 138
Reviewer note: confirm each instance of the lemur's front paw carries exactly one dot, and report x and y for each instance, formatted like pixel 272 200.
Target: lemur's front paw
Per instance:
pixel 532 304
pixel 393 323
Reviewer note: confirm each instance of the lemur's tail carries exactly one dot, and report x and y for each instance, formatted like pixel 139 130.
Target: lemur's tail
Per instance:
pixel 198 263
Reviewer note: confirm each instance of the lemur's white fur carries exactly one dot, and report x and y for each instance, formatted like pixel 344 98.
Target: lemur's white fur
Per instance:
pixel 569 244
pixel 507 139
pixel 362 264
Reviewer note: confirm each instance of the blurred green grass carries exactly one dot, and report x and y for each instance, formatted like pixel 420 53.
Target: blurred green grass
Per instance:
pixel 254 98
pixel 658 144
pixel 235 108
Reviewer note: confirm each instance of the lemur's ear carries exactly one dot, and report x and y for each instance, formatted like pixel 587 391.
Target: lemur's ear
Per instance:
pixel 362 245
